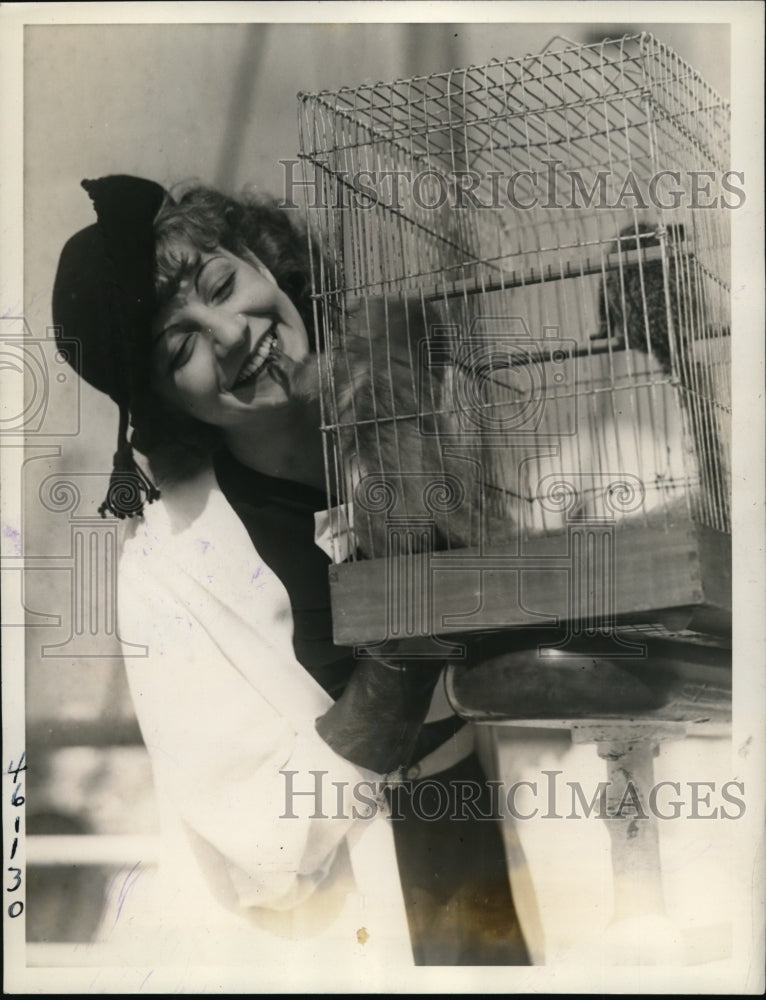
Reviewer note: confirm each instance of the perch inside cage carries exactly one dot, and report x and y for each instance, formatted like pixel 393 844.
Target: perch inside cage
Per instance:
pixel 526 327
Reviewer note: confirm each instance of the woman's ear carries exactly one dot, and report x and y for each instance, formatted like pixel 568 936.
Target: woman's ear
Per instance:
pixel 250 257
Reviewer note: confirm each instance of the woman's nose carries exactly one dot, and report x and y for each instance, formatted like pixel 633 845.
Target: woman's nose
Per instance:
pixel 228 331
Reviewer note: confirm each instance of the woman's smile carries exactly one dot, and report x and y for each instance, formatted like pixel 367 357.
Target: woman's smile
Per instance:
pixel 265 350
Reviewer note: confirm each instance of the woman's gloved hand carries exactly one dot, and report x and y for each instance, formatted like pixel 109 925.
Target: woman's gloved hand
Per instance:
pixel 376 721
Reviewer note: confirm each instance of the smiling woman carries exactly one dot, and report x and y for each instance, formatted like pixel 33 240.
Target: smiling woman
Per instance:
pixel 217 336
pixel 225 343
pixel 233 316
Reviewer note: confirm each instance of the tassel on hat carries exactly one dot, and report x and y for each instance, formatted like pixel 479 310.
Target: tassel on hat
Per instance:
pixel 127 481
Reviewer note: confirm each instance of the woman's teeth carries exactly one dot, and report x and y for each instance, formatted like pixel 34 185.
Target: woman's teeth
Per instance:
pixel 264 351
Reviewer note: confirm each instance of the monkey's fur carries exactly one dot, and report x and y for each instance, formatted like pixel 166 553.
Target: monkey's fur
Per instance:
pixel 376 378
pixel 628 287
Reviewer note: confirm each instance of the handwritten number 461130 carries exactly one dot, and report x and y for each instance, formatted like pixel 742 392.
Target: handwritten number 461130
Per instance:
pixel 16 908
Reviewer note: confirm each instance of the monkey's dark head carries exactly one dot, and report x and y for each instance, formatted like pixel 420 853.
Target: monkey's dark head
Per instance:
pixel 646 234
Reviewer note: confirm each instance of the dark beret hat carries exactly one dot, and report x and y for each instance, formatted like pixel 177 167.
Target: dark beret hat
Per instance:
pixel 103 297
pixel 103 294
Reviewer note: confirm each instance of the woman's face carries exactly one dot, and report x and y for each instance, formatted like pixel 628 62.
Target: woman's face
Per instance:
pixel 216 340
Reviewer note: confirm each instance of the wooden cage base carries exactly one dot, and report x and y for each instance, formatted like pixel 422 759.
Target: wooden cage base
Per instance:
pixel 592 577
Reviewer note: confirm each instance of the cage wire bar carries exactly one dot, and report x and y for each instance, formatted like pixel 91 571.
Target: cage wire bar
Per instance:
pixel 535 216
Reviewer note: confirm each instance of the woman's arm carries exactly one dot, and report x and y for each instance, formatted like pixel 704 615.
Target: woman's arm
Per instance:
pixel 227 715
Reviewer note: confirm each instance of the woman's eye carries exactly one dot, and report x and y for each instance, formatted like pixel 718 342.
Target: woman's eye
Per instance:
pixel 223 289
pixel 182 354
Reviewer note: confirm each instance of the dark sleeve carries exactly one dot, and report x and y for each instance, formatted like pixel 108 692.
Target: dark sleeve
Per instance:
pixel 376 723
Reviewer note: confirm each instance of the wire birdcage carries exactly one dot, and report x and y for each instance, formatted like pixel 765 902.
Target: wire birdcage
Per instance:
pixel 525 324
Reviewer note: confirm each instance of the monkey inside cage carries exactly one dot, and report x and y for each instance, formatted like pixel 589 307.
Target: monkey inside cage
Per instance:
pixel 525 377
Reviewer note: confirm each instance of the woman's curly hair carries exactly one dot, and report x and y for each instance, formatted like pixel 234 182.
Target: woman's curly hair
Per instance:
pixel 197 221
pixel 204 219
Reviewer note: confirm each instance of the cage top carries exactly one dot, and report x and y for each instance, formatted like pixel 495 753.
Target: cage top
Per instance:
pixel 615 53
